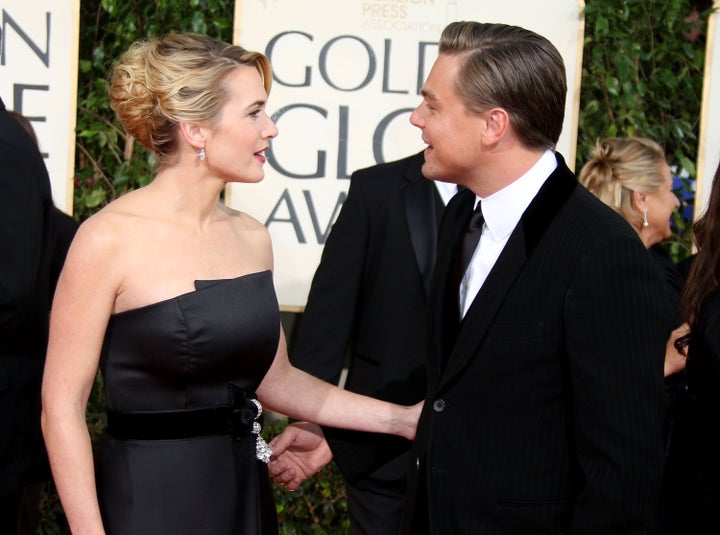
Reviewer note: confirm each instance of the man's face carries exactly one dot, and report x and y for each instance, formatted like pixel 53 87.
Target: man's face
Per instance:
pixel 451 132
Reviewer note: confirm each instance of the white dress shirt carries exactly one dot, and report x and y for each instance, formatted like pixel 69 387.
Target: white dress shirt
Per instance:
pixel 446 190
pixel 502 212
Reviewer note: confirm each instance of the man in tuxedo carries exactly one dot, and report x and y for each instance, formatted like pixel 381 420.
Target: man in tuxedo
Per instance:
pixel 26 232
pixel 24 307
pixel 544 406
pixel 367 301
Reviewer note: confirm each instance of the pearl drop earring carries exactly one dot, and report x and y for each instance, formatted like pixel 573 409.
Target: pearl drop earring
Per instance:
pixel 201 154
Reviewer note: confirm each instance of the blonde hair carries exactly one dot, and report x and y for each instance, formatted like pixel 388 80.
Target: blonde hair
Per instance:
pixel 159 83
pixel 620 166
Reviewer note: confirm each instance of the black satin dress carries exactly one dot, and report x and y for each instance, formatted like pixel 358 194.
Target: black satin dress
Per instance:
pixel 173 358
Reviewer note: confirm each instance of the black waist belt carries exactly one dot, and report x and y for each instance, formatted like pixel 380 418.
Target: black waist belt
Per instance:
pixel 242 418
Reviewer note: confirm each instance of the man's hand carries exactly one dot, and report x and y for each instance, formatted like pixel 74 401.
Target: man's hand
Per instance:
pixel 299 452
pixel 674 359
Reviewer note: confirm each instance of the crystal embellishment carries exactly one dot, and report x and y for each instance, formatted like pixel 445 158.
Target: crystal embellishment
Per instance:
pixel 262 450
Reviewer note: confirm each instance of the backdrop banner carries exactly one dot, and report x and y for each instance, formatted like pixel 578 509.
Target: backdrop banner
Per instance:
pixel 38 78
pixel 709 142
pixel 346 77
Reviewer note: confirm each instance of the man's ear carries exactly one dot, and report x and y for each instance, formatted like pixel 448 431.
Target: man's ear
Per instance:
pixel 193 134
pixel 497 122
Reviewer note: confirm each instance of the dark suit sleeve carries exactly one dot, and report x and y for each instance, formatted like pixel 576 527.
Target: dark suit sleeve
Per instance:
pixel 24 205
pixel 673 284
pixel 327 325
pixel 615 344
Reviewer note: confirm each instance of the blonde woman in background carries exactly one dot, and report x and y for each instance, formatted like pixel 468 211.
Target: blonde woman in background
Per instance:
pixel 632 176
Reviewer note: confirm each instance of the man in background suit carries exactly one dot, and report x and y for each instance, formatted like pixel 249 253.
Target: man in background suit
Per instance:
pixel 26 234
pixel 367 301
pixel 64 226
pixel 62 233
pixel 544 406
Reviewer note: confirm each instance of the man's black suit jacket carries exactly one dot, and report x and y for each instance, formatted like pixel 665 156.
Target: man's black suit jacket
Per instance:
pixel 547 414
pixel 368 299
pixel 25 234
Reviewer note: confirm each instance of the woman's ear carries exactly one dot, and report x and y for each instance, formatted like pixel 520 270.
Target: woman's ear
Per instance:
pixel 193 134
pixel 639 201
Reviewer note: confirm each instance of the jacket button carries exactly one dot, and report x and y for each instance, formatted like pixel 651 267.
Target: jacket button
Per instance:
pixel 417 463
pixel 439 405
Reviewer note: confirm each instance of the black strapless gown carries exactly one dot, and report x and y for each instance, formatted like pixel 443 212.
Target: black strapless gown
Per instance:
pixel 178 356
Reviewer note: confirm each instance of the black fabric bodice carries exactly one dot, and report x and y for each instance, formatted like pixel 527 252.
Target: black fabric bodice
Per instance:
pixel 179 355
pixel 182 352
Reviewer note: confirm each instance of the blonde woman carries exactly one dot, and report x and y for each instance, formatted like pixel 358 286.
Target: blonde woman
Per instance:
pixel 631 175
pixel 171 294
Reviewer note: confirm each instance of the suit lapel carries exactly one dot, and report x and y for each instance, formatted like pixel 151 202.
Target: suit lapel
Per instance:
pixel 522 242
pixel 419 200
pixel 484 307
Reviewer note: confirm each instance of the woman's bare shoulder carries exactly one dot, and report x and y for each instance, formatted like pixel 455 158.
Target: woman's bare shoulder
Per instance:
pixel 244 222
pixel 251 235
pixel 106 231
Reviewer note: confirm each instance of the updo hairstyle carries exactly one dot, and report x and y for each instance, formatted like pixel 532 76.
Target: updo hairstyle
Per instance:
pixel 620 166
pixel 159 83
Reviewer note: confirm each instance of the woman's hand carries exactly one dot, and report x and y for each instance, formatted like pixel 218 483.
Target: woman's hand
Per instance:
pixel 674 359
pixel 299 452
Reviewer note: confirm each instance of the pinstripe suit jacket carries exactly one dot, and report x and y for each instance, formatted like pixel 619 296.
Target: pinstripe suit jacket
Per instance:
pixel 544 412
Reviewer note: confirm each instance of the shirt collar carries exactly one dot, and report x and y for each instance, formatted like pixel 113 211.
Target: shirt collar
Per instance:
pixel 503 209
pixel 446 190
